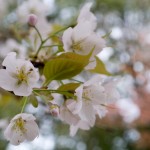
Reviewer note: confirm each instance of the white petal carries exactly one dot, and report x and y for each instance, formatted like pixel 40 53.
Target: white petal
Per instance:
pixel 97 79
pixel 81 31
pixel 93 41
pixel 67 39
pixel 100 110
pixel 32 130
pixel 74 105
pixel 6 81
pixel 73 130
pixel 85 14
pixel 81 124
pixel 8 131
pixel 96 94
pixel 17 137
pixel 87 113
pixel 27 117
pixel 10 61
pixel 22 90
pixel 67 116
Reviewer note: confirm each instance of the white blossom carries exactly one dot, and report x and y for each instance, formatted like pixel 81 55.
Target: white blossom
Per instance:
pixel 86 14
pixel 81 124
pixel 82 39
pixel 20 76
pixel 92 98
pixel 67 116
pixel 22 127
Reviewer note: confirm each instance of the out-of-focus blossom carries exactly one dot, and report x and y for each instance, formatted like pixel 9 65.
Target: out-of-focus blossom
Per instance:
pixel 40 9
pixel 128 110
pixel 32 19
pixel 22 127
pixel 67 116
pixel 20 76
pixel 11 45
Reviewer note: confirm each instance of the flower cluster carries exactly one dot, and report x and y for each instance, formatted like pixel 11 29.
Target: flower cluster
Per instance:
pixel 82 101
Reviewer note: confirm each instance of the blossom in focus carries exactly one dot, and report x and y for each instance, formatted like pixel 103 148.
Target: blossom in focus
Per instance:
pixel 22 127
pixel 86 14
pixel 67 116
pixel 32 20
pixel 82 39
pixel 92 98
pixel 20 76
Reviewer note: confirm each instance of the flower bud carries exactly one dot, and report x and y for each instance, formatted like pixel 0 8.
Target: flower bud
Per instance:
pixel 32 20
pixel 54 110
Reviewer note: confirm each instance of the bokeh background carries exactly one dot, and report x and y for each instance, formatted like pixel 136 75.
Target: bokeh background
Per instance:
pixel 127 26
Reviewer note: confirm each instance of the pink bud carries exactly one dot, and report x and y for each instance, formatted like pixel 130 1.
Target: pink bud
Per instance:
pixel 32 20
pixel 54 110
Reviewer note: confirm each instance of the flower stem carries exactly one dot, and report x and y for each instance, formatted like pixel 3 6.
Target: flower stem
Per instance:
pixel 39 34
pixel 25 99
pixel 46 46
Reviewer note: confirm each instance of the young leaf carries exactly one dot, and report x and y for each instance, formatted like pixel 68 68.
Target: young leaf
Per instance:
pixel 34 101
pixel 69 87
pixel 100 67
pixel 65 66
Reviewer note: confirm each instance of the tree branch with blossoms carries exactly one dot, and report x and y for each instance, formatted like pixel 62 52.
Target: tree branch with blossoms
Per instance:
pixel 81 100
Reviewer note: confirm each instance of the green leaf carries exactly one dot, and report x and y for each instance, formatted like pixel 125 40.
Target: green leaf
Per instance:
pixel 69 87
pixel 65 66
pixel 34 101
pixel 100 67
pixel 82 59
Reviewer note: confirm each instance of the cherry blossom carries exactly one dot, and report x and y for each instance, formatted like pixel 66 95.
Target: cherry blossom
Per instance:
pixel 82 39
pixel 20 76
pixel 92 98
pixel 86 14
pixel 22 127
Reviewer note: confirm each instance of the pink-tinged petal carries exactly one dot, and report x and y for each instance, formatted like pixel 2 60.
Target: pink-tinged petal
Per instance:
pixel 85 15
pixel 74 105
pixel 6 81
pixel 22 90
pixel 73 130
pixel 100 110
pixel 87 113
pixel 81 124
pixel 113 94
pixel 32 130
pixel 67 39
pixel 96 93
pixel 67 116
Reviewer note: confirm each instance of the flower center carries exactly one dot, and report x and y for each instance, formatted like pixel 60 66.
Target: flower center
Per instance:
pixel 86 94
pixel 76 47
pixel 19 125
pixel 22 75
